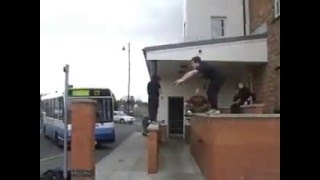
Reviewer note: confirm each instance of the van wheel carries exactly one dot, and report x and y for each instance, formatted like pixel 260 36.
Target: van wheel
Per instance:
pixel 44 132
pixel 57 140
pixel 121 121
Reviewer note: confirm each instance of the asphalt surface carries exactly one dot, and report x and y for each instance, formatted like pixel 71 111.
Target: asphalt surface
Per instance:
pixel 51 156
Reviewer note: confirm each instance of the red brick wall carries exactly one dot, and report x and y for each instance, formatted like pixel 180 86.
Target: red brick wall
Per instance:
pixel 266 81
pixel 236 147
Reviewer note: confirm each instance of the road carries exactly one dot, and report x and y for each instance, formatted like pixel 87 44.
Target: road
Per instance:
pixel 51 156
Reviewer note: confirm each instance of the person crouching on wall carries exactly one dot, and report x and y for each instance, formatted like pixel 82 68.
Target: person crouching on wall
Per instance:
pixel 198 103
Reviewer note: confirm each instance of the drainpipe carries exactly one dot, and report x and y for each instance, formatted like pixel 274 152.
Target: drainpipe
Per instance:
pixel 244 17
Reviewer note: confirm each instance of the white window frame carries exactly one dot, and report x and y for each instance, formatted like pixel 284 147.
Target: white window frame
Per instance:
pixel 223 28
pixel 276 8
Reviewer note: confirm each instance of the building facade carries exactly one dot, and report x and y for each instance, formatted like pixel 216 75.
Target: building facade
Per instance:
pixel 208 19
pixel 265 18
pixel 242 37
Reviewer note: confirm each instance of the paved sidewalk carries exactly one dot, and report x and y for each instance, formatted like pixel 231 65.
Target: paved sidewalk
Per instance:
pixel 129 162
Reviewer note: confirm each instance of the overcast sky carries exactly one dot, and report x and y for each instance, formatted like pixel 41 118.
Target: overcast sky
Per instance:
pixel 89 36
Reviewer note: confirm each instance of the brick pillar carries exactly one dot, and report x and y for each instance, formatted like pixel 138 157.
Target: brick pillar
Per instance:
pixel 83 118
pixel 153 148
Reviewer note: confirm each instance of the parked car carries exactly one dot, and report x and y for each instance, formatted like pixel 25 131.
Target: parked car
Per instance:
pixel 121 117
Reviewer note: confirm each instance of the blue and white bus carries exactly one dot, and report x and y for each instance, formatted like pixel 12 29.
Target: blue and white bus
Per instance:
pixel 53 121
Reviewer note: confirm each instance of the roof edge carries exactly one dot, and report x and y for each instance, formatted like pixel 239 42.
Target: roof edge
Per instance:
pixel 203 42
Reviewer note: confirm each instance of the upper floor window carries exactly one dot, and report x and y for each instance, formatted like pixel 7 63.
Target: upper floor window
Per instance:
pixel 218 27
pixel 276 8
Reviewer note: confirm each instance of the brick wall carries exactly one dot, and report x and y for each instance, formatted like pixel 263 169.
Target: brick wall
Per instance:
pixel 266 80
pixel 231 147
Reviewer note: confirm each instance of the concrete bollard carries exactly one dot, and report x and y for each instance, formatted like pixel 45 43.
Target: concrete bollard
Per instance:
pixel 83 119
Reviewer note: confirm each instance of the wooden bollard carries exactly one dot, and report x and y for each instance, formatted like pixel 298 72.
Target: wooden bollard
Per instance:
pixel 153 148
pixel 83 119
pixel 163 132
pixel 159 134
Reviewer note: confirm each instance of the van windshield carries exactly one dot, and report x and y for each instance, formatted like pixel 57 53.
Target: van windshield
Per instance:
pixel 122 113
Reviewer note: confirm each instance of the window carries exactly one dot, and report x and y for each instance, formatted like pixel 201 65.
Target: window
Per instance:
pixel 50 106
pixel 55 108
pixel 276 8
pixel 46 106
pixel 61 108
pixel 217 27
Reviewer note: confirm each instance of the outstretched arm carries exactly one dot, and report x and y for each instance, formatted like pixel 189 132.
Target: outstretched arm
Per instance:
pixel 189 75
pixel 186 76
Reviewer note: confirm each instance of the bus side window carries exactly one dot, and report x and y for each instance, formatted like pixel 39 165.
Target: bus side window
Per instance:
pixel 49 107
pixel 61 108
pixel 54 108
pixel 45 106
pixel 109 109
pixel 112 108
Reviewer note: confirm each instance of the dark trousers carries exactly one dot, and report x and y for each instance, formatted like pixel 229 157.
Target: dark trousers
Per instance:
pixel 212 93
pixel 145 124
pixel 235 108
pixel 153 104
pixel 196 109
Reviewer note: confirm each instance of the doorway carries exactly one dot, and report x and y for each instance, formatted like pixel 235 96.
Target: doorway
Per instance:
pixel 175 116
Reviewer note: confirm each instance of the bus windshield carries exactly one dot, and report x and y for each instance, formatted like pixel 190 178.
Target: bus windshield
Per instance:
pixel 104 110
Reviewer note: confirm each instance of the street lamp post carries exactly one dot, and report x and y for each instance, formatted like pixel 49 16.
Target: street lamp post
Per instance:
pixel 65 134
pixel 129 77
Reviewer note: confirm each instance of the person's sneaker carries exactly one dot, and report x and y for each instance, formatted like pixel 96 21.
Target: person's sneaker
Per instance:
pixel 144 134
pixel 189 113
pixel 213 111
pixel 210 111
pixel 216 112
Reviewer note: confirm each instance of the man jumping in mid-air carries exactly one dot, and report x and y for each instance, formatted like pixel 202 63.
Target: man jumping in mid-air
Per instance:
pixel 210 72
